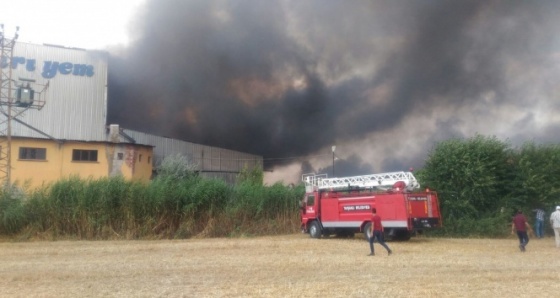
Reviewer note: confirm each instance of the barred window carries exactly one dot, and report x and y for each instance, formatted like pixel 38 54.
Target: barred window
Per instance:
pixel 32 153
pixel 84 155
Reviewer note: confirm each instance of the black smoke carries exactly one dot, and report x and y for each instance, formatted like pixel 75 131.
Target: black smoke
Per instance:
pixel 291 78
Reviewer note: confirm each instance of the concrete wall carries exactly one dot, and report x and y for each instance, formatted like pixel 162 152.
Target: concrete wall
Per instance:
pixel 113 159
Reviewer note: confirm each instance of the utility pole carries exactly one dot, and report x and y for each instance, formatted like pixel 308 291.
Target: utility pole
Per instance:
pixel 333 149
pixel 6 101
pixel 14 100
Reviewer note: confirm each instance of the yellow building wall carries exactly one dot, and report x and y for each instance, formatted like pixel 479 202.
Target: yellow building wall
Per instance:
pixel 134 162
pixel 131 161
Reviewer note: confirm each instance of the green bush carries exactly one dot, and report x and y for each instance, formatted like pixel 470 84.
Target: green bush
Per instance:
pixel 493 226
pixel 12 216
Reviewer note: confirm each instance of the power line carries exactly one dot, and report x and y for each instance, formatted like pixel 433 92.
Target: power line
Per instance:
pixel 295 157
pixel 263 159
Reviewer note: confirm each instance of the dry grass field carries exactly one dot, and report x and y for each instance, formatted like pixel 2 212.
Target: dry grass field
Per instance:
pixel 280 266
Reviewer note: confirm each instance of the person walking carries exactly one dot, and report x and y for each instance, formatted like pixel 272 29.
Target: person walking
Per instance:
pixel 555 222
pixel 520 225
pixel 377 233
pixel 539 222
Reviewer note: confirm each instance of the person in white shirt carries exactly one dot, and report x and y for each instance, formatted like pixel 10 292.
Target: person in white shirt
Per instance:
pixel 555 222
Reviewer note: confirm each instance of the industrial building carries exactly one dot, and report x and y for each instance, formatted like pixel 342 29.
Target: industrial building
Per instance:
pixel 53 123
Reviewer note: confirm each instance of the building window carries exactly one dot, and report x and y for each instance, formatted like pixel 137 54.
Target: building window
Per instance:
pixel 120 156
pixel 32 153
pixel 149 159
pixel 139 157
pixel 84 155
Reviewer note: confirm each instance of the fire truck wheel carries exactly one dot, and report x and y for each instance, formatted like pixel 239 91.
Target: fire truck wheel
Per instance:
pixel 367 231
pixel 314 230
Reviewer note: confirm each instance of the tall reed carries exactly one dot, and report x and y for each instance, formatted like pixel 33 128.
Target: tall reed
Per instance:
pixel 164 208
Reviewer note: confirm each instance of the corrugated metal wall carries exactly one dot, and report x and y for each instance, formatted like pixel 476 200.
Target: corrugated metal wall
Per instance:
pixel 75 104
pixel 211 161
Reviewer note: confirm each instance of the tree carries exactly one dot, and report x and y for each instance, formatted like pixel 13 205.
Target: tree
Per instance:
pixel 471 176
pixel 177 167
pixel 537 176
pixel 252 175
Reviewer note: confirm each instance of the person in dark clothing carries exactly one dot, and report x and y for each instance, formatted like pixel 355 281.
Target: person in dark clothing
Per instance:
pixel 377 232
pixel 520 225
pixel 539 222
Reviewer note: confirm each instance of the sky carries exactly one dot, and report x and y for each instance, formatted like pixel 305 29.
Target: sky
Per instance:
pixel 384 81
pixel 88 24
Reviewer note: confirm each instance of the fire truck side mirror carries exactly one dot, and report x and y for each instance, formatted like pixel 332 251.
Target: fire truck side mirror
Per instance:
pixel 302 206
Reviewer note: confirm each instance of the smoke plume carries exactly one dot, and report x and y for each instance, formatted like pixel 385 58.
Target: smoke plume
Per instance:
pixel 382 80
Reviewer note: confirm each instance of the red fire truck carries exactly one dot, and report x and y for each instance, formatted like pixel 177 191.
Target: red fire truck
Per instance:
pixel 342 206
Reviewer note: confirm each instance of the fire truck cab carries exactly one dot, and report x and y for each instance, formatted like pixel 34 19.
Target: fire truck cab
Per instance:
pixel 343 206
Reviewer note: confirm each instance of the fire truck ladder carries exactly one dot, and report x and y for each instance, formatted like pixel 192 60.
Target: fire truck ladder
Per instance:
pixel 381 181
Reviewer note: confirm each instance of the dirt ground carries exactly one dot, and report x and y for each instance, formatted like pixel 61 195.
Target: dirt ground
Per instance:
pixel 280 266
